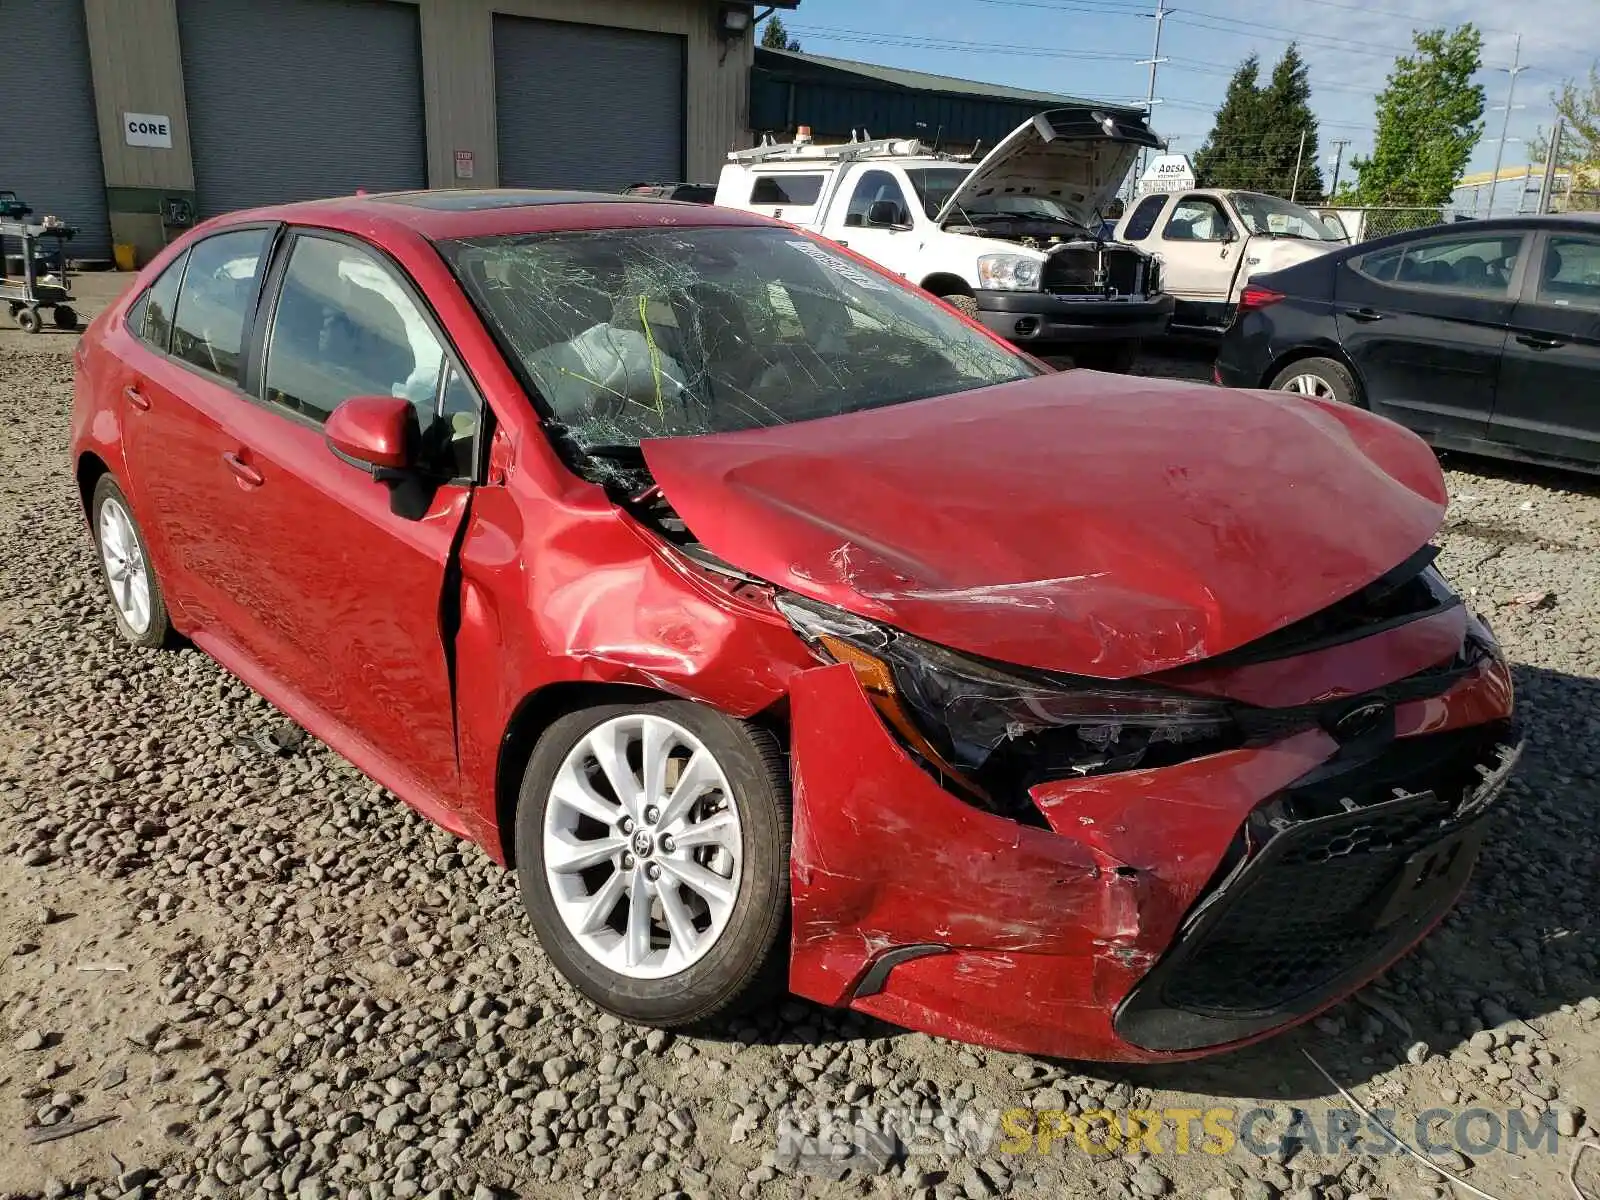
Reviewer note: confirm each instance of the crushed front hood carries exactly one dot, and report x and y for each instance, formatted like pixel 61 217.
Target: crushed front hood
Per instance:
pixel 1102 525
pixel 1076 156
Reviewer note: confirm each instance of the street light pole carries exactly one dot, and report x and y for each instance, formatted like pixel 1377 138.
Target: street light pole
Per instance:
pixel 1161 14
pixel 1338 161
pixel 1551 158
pixel 1294 184
pixel 1514 70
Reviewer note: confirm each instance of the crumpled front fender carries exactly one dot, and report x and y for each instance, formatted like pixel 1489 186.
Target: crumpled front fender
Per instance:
pixel 1028 937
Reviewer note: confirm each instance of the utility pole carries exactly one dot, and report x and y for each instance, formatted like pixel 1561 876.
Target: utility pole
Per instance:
pixel 1338 161
pixel 1294 184
pixel 1516 68
pixel 1551 158
pixel 1161 14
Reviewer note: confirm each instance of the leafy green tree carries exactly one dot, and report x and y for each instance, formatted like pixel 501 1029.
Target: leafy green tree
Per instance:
pixel 1429 118
pixel 1255 138
pixel 774 36
pixel 1579 105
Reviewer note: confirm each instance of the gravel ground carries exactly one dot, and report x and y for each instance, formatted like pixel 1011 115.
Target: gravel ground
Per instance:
pixel 270 979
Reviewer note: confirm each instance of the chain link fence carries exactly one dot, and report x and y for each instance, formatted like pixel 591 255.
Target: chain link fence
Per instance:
pixel 1364 224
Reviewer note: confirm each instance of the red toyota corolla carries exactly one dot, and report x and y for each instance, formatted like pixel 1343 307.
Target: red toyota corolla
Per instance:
pixel 781 627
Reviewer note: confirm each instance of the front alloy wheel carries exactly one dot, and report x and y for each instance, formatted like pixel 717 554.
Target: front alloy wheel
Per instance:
pixel 652 848
pixel 125 566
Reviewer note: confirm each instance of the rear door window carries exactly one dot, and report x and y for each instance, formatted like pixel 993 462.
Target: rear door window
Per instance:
pixel 217 300
pixel 1570 274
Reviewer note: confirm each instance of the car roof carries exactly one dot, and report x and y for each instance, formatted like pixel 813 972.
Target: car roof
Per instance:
pixel 444 213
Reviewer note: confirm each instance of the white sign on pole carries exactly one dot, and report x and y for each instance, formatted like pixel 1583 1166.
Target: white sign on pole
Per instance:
pixel 1167 173
pixel 147 129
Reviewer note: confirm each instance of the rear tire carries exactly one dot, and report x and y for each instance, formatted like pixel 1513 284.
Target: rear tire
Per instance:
pixel 1323 378
pixel 66 317
pixel 28 320
pixel 705 934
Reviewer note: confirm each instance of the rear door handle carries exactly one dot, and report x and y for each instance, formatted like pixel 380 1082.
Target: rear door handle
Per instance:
pixel 1364 314
pixel 247 474
pixel 1539 343
pixel 137 398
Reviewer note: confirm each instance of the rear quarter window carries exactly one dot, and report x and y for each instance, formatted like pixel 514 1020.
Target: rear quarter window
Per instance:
pixel 786 189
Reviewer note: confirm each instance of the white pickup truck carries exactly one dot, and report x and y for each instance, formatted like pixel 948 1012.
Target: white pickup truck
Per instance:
pixel 1013 241
pixel 1211 240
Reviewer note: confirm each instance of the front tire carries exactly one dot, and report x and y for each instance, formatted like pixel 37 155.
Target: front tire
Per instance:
pixel 964 304
pixel 1323 378
pixel 125 568
pixel 660 904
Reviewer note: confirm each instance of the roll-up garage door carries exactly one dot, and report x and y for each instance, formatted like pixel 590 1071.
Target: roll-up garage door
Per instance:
pixel 587 106
pixel 299 99
pixel 49 144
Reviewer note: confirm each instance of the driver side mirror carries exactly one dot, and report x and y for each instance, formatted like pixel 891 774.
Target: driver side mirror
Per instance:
pixel 1229 234
pixel 379 434
pixel 885 214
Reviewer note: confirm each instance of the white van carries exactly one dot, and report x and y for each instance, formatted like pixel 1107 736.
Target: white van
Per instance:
pixel 1013 241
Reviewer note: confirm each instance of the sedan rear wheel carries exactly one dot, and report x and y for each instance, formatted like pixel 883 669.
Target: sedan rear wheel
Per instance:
pixel 1322 378
pixel 130 580
pixel 652 851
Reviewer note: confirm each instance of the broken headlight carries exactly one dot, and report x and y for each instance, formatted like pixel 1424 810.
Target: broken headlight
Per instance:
pixel 1009 272
pixel 1004 728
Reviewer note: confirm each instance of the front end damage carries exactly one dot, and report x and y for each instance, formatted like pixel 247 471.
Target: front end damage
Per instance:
pixel 1161 911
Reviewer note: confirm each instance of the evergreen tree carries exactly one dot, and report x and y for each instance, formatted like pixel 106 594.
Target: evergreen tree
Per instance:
pixel 1429 121
pixel 1227 159
pixel 1287 108
pixel 1255 138
pixel 774 36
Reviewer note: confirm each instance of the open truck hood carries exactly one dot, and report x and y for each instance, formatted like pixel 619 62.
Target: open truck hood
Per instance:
pixel 1076 156
pixel 1101 525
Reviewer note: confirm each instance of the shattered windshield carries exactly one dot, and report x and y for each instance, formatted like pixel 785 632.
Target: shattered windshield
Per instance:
pixel 645 333
pixel 1281 218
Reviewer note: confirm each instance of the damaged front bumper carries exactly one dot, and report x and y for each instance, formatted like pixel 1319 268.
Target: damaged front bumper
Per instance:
pixel 1035 319
pixel 1163 913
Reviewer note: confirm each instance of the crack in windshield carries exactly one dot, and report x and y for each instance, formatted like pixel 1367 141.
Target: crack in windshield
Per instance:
pixel 646 333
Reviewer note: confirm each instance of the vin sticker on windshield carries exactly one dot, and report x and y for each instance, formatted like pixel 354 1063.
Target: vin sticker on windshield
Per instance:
pixel 839 266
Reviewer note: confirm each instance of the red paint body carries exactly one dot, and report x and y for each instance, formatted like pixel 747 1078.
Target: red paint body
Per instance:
pixel 1077 522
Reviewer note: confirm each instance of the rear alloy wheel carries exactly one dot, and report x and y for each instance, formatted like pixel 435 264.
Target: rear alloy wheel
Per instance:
pixel 652 851
pixel 1322 378
pixel 125 566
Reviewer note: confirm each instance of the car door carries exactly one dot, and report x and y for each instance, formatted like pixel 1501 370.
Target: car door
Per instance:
pixel 894 243
pixel 1424 321
pixel 183 370
pixel 346 576
pixel 1548 400
pixel 1199 248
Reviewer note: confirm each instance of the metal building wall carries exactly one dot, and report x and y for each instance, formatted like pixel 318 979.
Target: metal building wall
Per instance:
pixel 137 65
pixel 48 150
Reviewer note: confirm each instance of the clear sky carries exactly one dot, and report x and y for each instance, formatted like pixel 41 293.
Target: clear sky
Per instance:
pixel 1091 48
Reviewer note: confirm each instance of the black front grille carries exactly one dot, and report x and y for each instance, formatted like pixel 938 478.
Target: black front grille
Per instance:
pixel 1328 881
pixel 1084 271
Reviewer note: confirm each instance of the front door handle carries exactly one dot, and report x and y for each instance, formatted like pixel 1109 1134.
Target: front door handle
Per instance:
pixel 1364 314
pixel 1539 343
pixel 247 474
pixel 136 398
